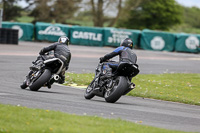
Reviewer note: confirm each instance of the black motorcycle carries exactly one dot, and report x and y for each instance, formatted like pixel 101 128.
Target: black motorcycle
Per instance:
pixel 45 76
pixel 112 83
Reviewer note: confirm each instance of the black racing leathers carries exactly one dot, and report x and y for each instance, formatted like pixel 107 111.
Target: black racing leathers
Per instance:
pixel 61 51
pixel 125 55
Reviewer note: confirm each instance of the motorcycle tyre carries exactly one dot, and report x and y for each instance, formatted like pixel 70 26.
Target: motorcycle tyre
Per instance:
pixel 46 75
pixel 89 95
pixel 118 92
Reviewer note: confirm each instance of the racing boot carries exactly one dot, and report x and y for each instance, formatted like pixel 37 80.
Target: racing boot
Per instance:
pixel 23 85
pixel 61 79
pixel 49 85
pixel 26 82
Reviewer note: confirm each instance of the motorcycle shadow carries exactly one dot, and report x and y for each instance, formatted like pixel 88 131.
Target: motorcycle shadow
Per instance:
pixel 116 103
pixel 43 91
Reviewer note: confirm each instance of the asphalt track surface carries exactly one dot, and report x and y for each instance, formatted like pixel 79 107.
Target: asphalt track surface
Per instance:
pixel 15 60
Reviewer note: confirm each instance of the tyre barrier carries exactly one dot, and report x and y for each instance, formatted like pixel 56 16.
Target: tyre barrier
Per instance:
pixel 8 36
pixel 95 36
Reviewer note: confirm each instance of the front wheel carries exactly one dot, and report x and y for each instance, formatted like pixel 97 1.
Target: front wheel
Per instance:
pixel 113 94
pixel 88 92
pixel 46 75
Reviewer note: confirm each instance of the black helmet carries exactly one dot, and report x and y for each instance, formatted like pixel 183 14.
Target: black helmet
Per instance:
pixel 127 43
pixel 63 40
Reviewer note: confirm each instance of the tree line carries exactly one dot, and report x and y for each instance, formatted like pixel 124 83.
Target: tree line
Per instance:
pixel 131 14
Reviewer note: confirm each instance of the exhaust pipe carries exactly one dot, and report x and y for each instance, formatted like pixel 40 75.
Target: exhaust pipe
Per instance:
pixel 56 77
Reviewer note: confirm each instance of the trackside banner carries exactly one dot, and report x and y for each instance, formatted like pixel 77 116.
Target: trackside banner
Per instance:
pixel 51 32
pixel 187 43
pixel 158 41
pixel 25 30
pixel 86 36
pixel 114 36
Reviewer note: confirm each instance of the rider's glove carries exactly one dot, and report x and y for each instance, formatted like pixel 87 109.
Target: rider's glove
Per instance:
pixel 101 59
pixel 41 52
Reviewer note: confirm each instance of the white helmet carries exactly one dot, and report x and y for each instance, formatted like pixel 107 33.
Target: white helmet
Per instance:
pixel 63 40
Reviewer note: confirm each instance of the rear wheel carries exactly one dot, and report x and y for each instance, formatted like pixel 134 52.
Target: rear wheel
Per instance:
pixel 113 94
pixel 88 92
pixel 46 75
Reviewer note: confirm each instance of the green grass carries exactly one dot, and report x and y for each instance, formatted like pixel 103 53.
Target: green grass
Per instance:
pixel 184 88
pixel 79 79
pixel 25 19
pixel 17 119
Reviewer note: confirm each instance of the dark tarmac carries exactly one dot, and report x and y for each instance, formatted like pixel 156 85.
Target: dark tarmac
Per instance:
pixel 15 61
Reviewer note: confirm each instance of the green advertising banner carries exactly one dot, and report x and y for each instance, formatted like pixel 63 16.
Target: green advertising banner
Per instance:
pixel 187 43
pixel 25 30
pixel 86 36
pixel 114 36
pixel 50 32
pixel 158 41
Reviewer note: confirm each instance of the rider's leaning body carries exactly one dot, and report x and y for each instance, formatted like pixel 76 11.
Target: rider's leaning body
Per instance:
pixel 61 51
pixel 125 52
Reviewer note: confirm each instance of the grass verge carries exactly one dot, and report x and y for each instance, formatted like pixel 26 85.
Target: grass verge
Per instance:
pixel 184 88
pixel 25 19
pixel 17 119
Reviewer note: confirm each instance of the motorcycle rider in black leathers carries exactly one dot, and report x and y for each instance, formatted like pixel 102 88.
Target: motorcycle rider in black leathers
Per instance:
pixel 61 51
pixel 125 55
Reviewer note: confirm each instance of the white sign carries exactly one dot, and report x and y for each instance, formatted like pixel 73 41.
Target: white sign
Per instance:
pixel 192 42
pixel 118 36
pixel 52 30
pixel 157 43
pixel 20 30
pixel 87 35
